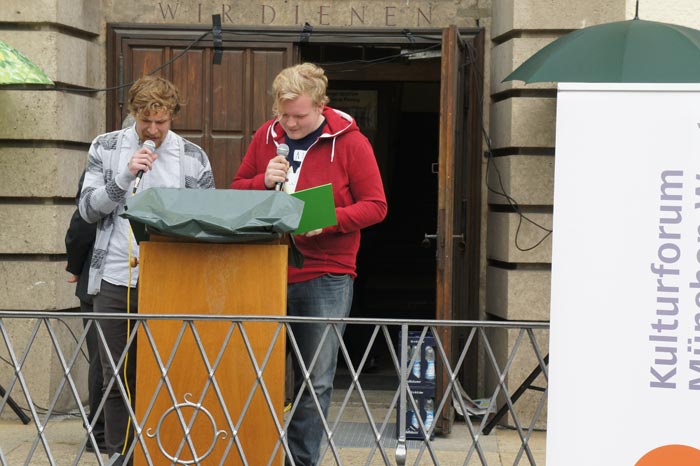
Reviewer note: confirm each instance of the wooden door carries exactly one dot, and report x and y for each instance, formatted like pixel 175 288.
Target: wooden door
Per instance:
pixel 458 210
pixel 223 104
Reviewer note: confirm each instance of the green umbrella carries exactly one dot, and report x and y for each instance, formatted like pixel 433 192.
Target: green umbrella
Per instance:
pixel 634 51
pixel 15 68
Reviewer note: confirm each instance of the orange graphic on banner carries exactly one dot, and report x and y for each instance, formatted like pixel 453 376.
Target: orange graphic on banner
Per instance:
pixel 671 455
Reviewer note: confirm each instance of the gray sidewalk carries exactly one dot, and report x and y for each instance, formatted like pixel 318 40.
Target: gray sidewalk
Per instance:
pixel 353 439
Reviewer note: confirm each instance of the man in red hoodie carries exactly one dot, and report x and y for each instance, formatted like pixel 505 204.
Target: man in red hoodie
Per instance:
pixel 325 146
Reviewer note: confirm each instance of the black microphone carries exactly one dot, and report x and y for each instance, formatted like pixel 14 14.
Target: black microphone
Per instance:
pixel 282 149
pixel 150 145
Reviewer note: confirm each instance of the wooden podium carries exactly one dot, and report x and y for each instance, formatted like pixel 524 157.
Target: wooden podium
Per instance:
pixel 217 279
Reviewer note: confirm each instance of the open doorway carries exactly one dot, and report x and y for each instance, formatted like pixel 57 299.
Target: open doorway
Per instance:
pixel 396 266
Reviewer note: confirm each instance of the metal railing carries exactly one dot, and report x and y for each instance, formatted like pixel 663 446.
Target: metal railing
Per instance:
pixel 61 432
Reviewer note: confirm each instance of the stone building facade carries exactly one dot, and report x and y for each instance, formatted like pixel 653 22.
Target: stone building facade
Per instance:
pixel 44 135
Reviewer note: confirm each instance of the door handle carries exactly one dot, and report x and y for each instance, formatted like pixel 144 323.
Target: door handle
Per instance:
pixel 427 239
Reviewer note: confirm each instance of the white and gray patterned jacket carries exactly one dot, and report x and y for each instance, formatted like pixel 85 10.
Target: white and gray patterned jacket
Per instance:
pixel 102 197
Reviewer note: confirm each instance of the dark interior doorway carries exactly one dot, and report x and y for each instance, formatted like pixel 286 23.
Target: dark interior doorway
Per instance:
pixel 396 270
pixel 396 267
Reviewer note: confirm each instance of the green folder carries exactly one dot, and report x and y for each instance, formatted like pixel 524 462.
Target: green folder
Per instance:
pixel 319 208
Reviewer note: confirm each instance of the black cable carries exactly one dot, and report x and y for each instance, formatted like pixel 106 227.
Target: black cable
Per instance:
pixel 70 330
pixel 114 88
pixel 332 35
pixel 9 363
pixel 489 162
pixel 40 409
pixel 374 61
pixel 478 73
pixel 87 358
pixel 271 34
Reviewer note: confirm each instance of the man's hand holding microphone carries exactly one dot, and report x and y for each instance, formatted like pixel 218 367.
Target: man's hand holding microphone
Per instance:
pixel 276 171
pixel 141 162
pixel 276 175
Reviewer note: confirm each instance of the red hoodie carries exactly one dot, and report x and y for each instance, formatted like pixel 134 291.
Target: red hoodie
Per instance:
pixel 343 157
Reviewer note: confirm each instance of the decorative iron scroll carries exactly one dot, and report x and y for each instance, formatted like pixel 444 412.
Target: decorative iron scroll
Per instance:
pixel 199 407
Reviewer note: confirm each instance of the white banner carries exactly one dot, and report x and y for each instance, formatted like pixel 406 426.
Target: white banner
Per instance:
pixel 625 318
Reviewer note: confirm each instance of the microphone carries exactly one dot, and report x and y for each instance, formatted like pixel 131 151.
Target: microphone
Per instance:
pixel 150 145
pixel 282 149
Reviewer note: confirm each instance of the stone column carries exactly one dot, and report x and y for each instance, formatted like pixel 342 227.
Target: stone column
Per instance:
pixel 44 137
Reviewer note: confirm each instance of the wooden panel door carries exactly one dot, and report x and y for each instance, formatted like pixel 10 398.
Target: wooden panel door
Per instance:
pixel 223 104
pixel 458 222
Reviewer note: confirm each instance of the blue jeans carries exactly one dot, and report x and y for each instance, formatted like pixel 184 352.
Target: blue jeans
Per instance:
pixel 326 296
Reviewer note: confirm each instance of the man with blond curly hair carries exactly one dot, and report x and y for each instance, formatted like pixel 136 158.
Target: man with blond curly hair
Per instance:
pixel 114 160
pixel 325 146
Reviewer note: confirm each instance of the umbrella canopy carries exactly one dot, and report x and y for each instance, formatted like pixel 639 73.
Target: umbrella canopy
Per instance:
pixel 15 68
pixel 634 51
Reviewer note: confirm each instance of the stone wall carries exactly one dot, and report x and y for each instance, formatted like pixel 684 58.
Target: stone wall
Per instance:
pixel 44 136
pixel 522 128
